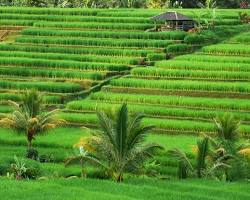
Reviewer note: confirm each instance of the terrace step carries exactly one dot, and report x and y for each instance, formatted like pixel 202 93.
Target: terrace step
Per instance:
pixel 175 92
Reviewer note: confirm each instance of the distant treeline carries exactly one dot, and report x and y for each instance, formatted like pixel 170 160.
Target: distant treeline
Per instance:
pixel 124 3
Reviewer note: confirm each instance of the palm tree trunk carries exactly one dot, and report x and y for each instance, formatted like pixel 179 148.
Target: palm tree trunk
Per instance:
pixel 30 138
pixel 119 177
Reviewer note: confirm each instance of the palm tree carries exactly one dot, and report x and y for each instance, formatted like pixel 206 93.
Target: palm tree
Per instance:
pixel 120 142
pixel 227 127
pixel 228 142
pixel 32 101
pixel 83 157
pixel 203 150
pixel 26 118
pixel 184 164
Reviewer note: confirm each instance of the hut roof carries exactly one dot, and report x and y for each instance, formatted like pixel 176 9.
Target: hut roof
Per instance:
pixel 171 16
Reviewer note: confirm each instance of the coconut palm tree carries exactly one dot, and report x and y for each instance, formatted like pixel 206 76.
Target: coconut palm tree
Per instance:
pixel 83 157
pixel 32 100
pixel 121 142
pixel 26 117
pixel 227 132
pixel 185 165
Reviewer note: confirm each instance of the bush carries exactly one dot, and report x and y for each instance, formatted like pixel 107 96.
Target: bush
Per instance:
pixel 201 38
pixel 239 170
pixel 46 158
pixel 33 169
pixel 156 56
pixel 177 48
pixel 195 39
pixel 32 154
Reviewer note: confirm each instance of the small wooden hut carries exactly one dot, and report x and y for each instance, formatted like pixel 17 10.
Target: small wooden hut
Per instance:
pixel 174 21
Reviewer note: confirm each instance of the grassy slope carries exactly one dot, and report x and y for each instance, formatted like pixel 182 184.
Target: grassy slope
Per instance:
pixel 131 189
pixel 67 137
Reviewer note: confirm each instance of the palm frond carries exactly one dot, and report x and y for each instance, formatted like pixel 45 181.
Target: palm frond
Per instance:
pixel 137 136
pixel 203 149
pixel 181 157
pixel 107 128
pixel 121 129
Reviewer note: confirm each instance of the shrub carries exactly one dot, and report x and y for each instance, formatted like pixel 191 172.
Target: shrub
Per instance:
pixel 32 153
pixel 156 56
pixel 195 39
pixel 177 48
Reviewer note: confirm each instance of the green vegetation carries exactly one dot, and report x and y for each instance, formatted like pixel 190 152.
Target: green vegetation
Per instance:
pixel 183 116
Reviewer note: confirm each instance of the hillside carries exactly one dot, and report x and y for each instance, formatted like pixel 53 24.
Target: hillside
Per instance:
pixel 88 60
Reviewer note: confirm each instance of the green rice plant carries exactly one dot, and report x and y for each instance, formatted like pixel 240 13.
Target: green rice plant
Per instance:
pixel 95 25
pixel 242 38
pixel 5 109
pixel 227 49
pixel 239 87
pixel 171 35
pixel 164 124
pixel 195 39
pixel 192 74
pixel 69 18
pixel 156 111
pixel 48 11
pixel 79 118
pixel 61 64
pixel 177 48
pixel 77 50
pixel 106 189
pixel 213 58
pixel 107 42
pixel 169 124
pixel 205 66
pixel 48 99
pixel 64 87
pixel 60 56
pixel 47 73
pixel 225 104
pixel 17 22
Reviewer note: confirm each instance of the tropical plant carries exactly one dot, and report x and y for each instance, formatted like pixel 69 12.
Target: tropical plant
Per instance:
pixel 228 132
pixel 19 168
pixel 228 142
pixel 32 100
pixel 120 144
pixel 83 157
pixel 24 120
pixel 207 161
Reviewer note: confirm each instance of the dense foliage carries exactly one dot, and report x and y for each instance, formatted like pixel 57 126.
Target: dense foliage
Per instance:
pixel 120 3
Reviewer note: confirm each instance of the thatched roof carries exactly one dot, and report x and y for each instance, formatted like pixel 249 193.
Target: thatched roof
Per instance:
pixel 171 16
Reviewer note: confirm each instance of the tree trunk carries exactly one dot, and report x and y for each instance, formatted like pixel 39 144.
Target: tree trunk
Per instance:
pixel 120 177
pixel 30 137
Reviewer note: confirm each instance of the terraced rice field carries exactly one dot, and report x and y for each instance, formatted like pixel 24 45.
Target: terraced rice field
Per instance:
pixel 84 60
pixel 66 54
pixel 184 94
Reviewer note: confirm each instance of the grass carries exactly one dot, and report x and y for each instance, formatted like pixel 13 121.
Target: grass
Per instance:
pixel 145 189
pixel 41 86
pixel 156 110
pixel 203 66
pixel 60 64
pixel 104 42
pixel 227 49
pixel 239 87
pixel 51 139
pixel 171 35
pixel 213 58
pixel 225 104
pixel 189 74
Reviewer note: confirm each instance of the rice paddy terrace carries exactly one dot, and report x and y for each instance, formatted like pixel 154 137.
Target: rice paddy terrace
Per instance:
pixel 84 60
